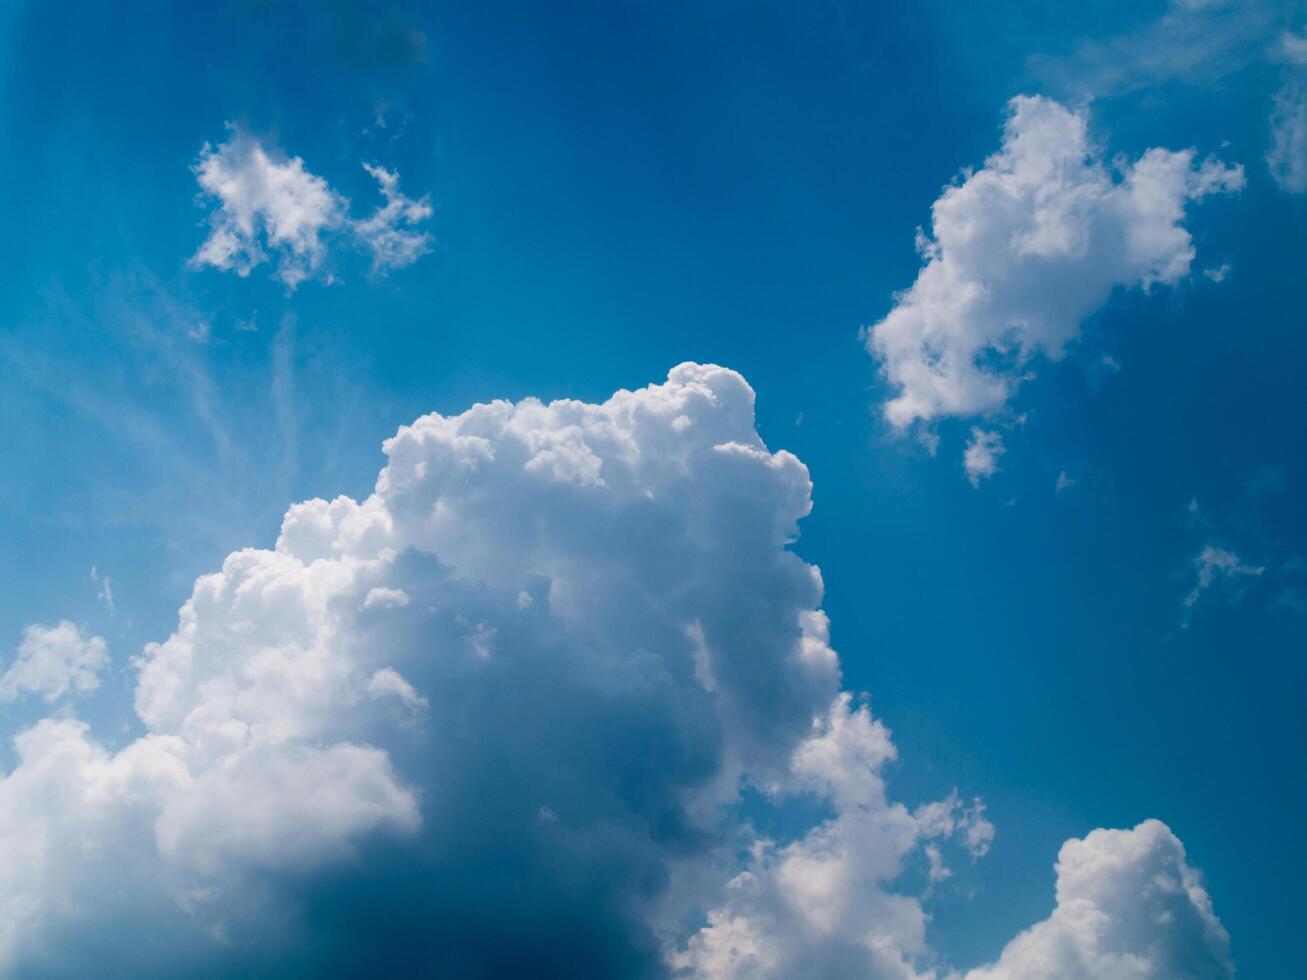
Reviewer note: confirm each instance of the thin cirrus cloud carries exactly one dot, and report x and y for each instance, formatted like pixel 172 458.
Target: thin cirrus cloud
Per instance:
pixel 270 209
pixel 514 695
pixel 1022 250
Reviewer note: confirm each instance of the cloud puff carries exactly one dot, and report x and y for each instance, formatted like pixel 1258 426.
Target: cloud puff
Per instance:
pixel 53 661
pixel 505 716
pixel 1129 907
pixel 980 458
pixel 1023 250
pixel 269 207
pixel 388 233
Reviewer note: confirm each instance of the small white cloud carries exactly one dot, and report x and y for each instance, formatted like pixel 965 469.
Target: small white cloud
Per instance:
pixel 388 233
pixel 269 207
pixel 1064 482
pixel 1023 250
pixel 264 203
pixel 1218 273
pixel 980 458
pixel 53 661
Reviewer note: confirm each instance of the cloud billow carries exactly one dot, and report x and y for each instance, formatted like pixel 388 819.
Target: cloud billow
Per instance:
pixel 496 719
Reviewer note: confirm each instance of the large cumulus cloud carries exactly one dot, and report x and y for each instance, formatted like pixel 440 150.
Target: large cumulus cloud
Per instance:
pixel 505 716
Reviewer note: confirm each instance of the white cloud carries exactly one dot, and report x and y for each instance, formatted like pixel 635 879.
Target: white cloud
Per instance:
pixel 606 636
pixel 1129 907
pixel 53 661
pixel 265 202
pixel 273 208
pixel 388 233
pixel 1023 250
pixel 1064 482
pixel 980 458
pixel 269 708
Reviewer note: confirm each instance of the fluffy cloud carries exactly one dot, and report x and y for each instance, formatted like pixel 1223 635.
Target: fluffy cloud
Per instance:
pixel 521 697
pixel 1023 250
pixel 1129 907
pixel 269 207
pixel 388 233
pixel 823 905
pixel 496 661
pixel 53 661
pixel 980 458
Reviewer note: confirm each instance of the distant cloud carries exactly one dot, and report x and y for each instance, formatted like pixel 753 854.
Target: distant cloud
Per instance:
pixel 980 458
pixel 388 233
pixel 1129 905
pixel 1064 482
pixel 53 661
pixel 1022 250
pixel 273 209
pixel 1214 565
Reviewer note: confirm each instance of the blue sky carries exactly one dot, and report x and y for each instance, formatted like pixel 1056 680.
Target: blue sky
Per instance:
pixel 1109 627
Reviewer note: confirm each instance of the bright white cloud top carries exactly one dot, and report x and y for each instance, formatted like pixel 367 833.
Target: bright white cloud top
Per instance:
pixel 1128 906
pixel 517 692
pixel 1022 250
pixel 269 207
